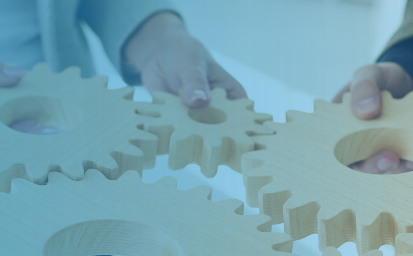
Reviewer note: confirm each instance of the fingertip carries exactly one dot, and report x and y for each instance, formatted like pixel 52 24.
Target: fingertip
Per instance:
pixel 196 98
pixel 366 100
pixel 386 160
pixel 367 108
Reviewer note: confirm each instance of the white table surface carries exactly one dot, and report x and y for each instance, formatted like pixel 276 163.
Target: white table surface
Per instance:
pixel 270 96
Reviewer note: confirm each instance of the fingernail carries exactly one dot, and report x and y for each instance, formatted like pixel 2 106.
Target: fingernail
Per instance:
pixel 367 105
pixel 198 95
pixel 14 72
pixel 385 164
pixel 409 165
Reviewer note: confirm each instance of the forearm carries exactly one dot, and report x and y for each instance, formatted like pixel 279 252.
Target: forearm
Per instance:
pixel 151 37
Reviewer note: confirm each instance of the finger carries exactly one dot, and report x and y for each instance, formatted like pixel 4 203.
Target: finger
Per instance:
pixel 219 77
pixel 365 87
pixel 154 81
pixel 10 76
pixel 195 87
pixel 384 162
pixel 339 96
pixel 395 79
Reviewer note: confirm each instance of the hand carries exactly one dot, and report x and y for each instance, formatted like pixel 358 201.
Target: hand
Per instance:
pixel 169 59
pixel 366 103
pixel 10 75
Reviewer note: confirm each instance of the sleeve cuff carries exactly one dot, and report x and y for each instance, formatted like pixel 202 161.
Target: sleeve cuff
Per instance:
pixel 400 53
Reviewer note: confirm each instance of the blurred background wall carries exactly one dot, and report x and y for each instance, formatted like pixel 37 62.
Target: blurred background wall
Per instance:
pixel 313 45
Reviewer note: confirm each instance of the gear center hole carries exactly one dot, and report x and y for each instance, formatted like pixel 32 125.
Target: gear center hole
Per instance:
pixel 208 115
pixel 111 237
pixel 353 149
pixel 39 115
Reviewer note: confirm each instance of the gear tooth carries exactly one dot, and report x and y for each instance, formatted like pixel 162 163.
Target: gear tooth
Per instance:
pixel 218 93
pixel 73 171
pixel 251 160
pixel 261 221
pixel 72 71
pixel 254 180
pixel 373 234
pixel 319 105
pixel 127 157
pixel 258 129
pixel 125 93
pixel 272 198
pixel 149 109
pixel 13 172
pixel 131 175
pixel 261 141
pixel 335 227
pixel 19 185
pixel 94 174
pixel 184 149
pixel 244 103
pixel 275 127
pixel 293 115
pixel 234 205
pixel 280 242
pixel 373 253
pixel 346 99
pixel 300 217
pixel 201 192
pixel 330 251
pixel 192 148
pixel 160 97
pixel 148 144
pixel 261 118
pixel 56 177
pixel 167 182
pixel 104 163
pixel 404 243
pixel 41 67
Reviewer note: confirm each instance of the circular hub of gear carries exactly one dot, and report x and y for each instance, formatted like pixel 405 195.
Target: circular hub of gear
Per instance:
pixel 101 128
pixel 97 216
pixel 301 177
pixel 210 136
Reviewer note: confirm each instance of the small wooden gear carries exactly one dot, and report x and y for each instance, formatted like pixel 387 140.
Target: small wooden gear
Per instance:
pixel 101 128
pixel 301 178
pixel 96 216
pixel 210 136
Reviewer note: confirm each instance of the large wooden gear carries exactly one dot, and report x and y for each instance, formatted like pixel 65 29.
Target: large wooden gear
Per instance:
pixel 96 216
pixel 101 128
pixel 211 136
pixel 300 175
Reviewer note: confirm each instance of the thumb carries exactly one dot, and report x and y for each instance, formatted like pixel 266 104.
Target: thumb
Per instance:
pixel 365 87
pixel 195 87
pixel 383 162
pixel 10 75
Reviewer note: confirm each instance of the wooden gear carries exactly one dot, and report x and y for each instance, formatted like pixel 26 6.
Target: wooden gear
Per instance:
pixel 331 251
pixel 96 216
pixel 102 128
pixel 210 136
pixel 301 178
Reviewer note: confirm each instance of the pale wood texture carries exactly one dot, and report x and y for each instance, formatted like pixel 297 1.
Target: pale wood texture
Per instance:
pixel 331 251
pixel 96 216
pixel 300 175
pixel 102 128
pixel 215 135
pixel 404 243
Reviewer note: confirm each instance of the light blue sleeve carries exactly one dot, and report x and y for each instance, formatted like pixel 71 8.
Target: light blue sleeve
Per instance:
pixel 115 21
